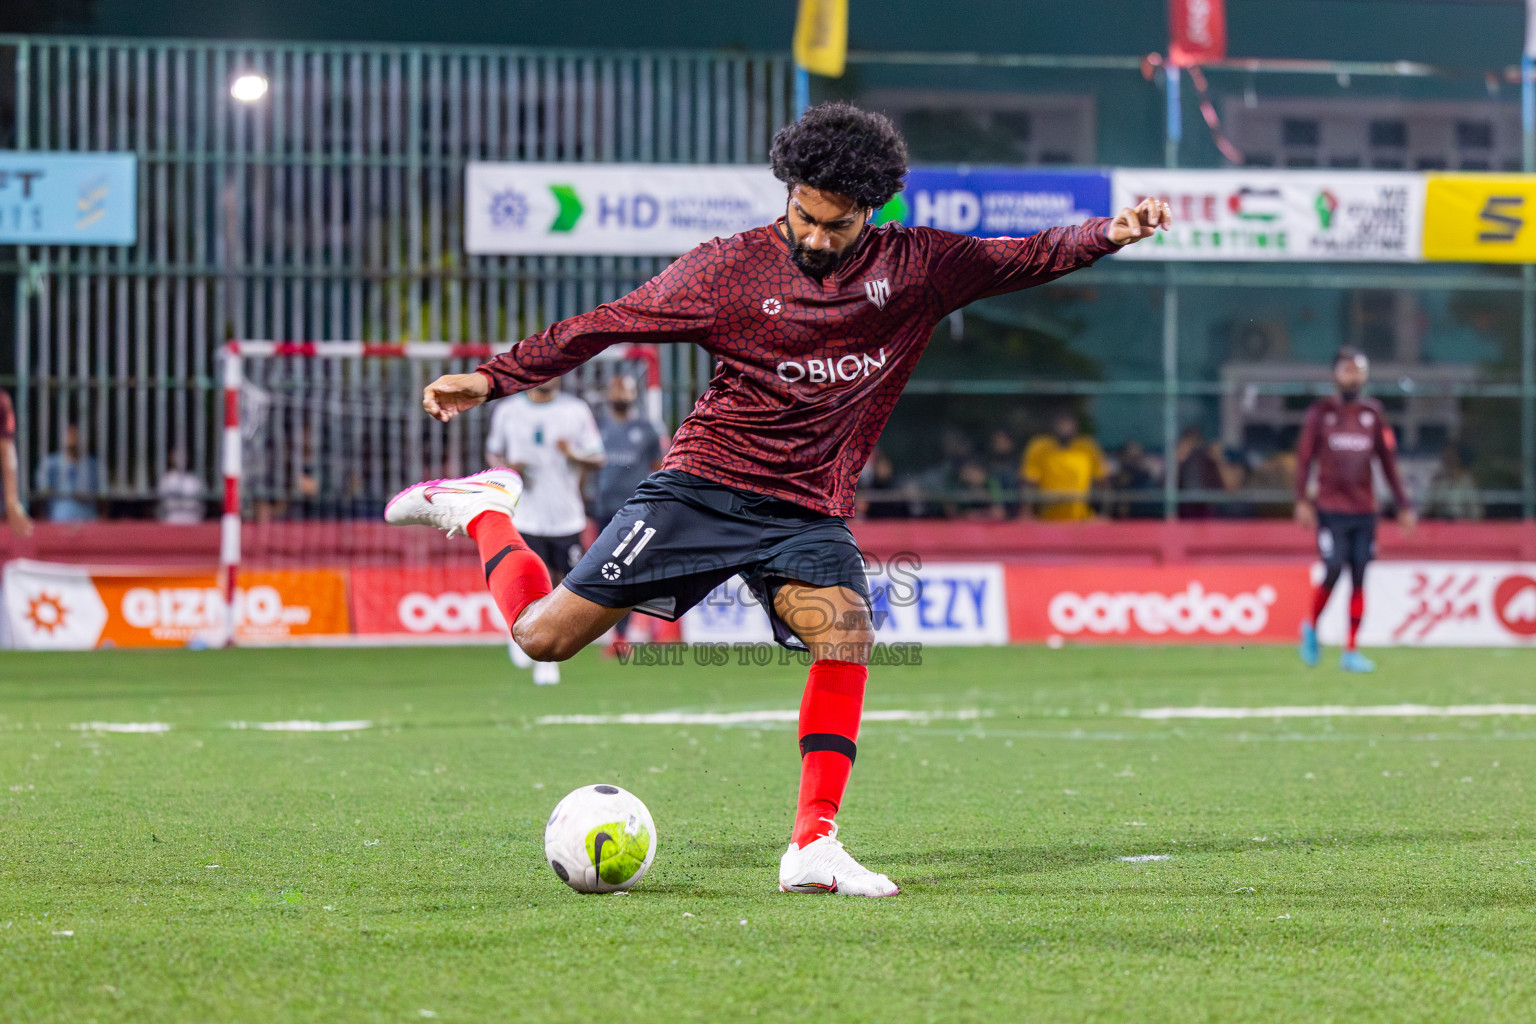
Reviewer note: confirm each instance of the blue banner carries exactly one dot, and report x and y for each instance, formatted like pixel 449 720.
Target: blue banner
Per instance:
pixel 997 202
pixel 68 198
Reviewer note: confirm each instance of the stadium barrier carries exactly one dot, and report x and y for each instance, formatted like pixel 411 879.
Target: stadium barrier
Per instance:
pixel 937 600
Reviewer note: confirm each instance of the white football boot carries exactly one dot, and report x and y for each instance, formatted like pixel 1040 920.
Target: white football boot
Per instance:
pixel 546 673
pixel 451 504
pixel 823 866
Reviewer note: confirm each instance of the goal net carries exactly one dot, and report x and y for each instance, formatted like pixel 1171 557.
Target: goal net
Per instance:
pixel 318 436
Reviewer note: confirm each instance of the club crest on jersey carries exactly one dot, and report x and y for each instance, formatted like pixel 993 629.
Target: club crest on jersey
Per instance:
pixel 878 292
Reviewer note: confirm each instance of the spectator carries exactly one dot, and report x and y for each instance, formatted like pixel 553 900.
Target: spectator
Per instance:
pixel 632 446
pixel 71 482
pixel 10 472
pixel 181 494
pixel 1134 471
pixel 978 499
pixel 1063 467
pixel 1003 470
pixel 880 475
pixel 1452 491
pixel 1202 467
pixel 550 439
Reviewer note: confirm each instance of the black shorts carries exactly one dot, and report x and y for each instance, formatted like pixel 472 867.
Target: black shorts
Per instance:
pixel 680 536
pixel 1345 538
pixel 559 554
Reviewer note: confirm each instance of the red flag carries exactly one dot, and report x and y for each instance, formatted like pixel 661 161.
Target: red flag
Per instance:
pixel 1197 31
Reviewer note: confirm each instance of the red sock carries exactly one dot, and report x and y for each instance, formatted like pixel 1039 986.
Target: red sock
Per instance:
pixel 1356 613
pixel 515 576
pixel 829 733
pixel 1320 596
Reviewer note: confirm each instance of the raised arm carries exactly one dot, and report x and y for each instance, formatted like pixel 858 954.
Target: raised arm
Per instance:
pixel 964 269
pixel 676 305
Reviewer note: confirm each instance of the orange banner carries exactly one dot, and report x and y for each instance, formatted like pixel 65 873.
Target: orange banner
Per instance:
pixel 172 611
pixel 67 607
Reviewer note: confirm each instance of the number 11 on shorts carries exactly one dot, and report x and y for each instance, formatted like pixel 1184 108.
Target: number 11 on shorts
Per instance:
pixel 650 531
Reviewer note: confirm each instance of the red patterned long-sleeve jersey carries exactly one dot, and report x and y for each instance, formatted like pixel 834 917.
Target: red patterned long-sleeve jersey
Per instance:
pixel 807 370
pixel 1344 438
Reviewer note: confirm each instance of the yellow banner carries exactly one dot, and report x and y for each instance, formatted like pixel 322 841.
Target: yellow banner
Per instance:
pixel 1480 218
pixel 821 37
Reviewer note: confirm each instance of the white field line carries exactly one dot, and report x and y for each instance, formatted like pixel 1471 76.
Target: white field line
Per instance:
pixel 1341 711
pixel 304 726
pixel 745 717
pixel 122 726
pixel 1142 858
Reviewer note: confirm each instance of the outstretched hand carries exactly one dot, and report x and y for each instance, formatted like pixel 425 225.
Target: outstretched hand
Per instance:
pixel 1134 223
pixel 454 393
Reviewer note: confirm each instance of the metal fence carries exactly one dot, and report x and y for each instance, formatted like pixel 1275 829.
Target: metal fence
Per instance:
pixel 332 209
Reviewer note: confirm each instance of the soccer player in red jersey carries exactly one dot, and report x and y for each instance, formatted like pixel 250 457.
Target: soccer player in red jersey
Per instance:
pixel 1345 434
pixel 816 322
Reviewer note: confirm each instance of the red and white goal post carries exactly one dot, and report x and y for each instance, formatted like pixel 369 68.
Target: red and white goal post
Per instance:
pixel 317 437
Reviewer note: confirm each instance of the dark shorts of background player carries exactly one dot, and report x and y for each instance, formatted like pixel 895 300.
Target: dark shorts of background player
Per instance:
pixel 559 554
pixel 1346 539
pixel 680 536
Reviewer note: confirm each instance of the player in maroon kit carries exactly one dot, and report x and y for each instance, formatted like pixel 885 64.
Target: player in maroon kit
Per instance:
pixel 1345 433
pixel 816 321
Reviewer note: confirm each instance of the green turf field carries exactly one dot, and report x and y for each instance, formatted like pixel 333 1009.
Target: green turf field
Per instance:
pixel 1344 869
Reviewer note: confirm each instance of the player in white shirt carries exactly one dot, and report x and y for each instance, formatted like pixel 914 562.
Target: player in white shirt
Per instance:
pixel 549 438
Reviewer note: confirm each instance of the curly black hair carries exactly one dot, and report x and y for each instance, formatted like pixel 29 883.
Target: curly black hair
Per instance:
pixel 836 147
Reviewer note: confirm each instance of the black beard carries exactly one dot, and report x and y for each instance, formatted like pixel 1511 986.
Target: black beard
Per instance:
pixel 1349 396
pixel 816 262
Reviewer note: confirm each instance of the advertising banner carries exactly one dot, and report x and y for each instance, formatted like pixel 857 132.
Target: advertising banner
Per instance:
pixel 997 202
pixel 943 604
pixel 1265 215
pixel 612 209
pixel 434 602
pixel 1440 604
pixel 68 198
pixel 1480 218
pixel 72 607
pixel 1157 604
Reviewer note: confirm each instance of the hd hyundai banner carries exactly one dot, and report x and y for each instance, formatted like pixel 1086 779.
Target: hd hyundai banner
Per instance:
pixel 997 202
pixel 1238 214
pixel 619 209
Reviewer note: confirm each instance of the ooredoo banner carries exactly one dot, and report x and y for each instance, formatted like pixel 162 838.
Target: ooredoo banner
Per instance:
pixel 1157 604
pixel 71 607
pixel 430 602
pixel 1441 604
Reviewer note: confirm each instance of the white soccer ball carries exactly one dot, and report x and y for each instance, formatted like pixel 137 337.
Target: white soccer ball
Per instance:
pixel 600 839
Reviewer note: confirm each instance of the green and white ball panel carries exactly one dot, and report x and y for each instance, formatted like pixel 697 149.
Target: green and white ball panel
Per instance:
pixel 600 839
